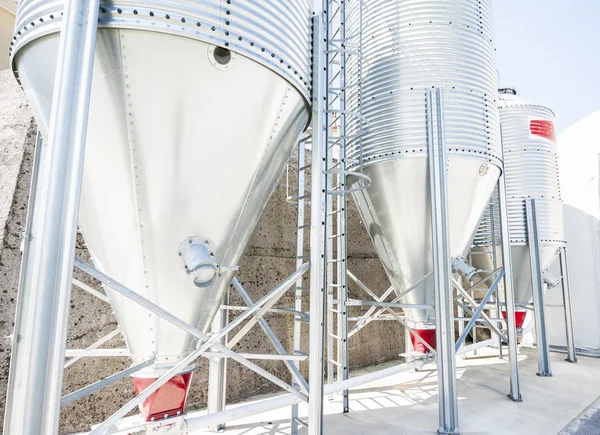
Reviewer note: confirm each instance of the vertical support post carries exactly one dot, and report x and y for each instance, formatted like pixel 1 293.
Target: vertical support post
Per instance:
pixel 442 268
pixel 509 297
pixel 35 384
pixel 217 369
pixel 537 282
pixel 493 230
pixel 318 246
pixel 564 273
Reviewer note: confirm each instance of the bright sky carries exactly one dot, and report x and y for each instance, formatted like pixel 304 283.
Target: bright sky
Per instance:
pixel 550 51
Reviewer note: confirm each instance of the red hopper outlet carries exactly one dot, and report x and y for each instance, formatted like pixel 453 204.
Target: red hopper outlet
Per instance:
pixel 168 400
pixel 426 334
pixel 519 318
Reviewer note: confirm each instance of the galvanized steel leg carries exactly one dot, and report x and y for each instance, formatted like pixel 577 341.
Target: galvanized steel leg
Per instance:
pixel 35 384
pixel 495 266
pixel 537 283
pixel 317 229
pixel 442 268
pixel 511 326
pixel 217 370
pixel 564 273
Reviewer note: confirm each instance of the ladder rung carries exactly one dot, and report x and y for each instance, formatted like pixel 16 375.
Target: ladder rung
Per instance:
pixel 301 227
pixel 302 257
pixel 334 236
pixel 333 212
pixel 334 336
pixel 334 362
pixel 305 167
pixel 335 311
pixel 334 285
pixel 302 288
pixel 337 260
pixel 304 196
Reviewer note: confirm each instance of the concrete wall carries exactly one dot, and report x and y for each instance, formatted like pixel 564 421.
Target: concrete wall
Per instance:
pixel 7 24
pixel 269 257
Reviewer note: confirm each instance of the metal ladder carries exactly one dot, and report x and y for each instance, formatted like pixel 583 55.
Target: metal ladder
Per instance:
pixel 340 47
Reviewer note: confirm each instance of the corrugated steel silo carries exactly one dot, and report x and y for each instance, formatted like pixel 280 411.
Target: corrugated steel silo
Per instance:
pixel 410 46
pixel 195 109
pixel 531 171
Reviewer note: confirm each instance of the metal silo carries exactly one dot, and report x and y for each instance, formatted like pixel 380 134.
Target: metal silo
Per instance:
pixel 408 47
pixel 195 109
pixel 531 172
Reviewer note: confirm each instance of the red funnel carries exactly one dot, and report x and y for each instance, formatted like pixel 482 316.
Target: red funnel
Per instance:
pixel 168 400
pixel 519 317
pixel 428 335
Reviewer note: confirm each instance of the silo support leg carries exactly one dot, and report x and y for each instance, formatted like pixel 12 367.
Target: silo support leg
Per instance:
pixel 537 282
pixel 217 370
pixel 318 247
pixel 564 273
pixel 36 374
pixel 442 268
pixel 511 327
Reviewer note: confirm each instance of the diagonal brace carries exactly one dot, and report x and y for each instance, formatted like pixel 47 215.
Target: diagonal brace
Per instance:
pixel 92 388
pixel 135 297
pixel 479 310
pixel 264 305
pixel 484 316
pixel 273 338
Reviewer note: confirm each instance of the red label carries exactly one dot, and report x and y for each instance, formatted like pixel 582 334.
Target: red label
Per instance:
pixel 543 128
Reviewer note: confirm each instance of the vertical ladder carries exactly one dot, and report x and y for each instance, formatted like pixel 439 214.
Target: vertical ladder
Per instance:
pixel 337 285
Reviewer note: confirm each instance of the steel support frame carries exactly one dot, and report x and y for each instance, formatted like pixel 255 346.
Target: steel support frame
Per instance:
pixel 511 326
pixel 289 399
pixel 538 290
pixel 47 268
pixel 566 294
pixel 318 239
pixel 217 369
pixel 448 406
pixel 442 267
pixel 479 312
pixel 205 342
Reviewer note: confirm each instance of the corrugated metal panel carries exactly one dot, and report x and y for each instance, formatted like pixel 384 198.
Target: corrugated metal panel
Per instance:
pixel 275 33
pixel 410 46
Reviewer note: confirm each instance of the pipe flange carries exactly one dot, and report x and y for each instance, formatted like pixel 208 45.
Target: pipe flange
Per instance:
pixel 198 256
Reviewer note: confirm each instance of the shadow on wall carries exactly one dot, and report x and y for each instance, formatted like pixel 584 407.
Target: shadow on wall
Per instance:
pixel 583 250
pixel 579 163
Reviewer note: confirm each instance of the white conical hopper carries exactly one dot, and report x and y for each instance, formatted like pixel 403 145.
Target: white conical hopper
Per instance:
pixel 410 47
pixel 195 110
pixel 531 171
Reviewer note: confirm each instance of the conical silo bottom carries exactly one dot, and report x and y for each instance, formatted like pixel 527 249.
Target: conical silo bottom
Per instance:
pixel 180 144
pixel 397 214
pixel 482 258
